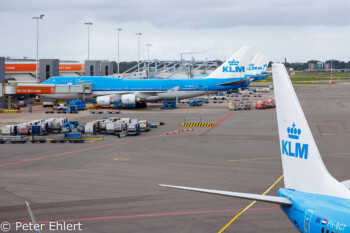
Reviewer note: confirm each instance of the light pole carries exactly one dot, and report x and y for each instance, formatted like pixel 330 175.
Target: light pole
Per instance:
pixel 148 45
pixel 138 34
pixel 37 44
pixel 331 68
pixel 119 29
pixel 88 24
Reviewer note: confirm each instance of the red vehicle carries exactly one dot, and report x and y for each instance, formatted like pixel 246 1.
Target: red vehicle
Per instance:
pixel 270 103
pixel 260 104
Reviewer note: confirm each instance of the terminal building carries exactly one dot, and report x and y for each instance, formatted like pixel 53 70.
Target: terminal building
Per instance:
pixel 24 70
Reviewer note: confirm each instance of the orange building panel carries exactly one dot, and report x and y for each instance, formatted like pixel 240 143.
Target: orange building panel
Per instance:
pixel 72 67
pixel 35 90
pixel 17 67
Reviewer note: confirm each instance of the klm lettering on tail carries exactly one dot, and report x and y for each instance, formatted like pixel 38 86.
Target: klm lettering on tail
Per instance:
pixel 252 67
pixel 292 148
pixel 233 67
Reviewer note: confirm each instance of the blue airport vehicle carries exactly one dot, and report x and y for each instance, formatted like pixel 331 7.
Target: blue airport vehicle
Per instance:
pixel 169 104
pixel 79 103
pixel 194 103
pixel 73 109
pixel 120 105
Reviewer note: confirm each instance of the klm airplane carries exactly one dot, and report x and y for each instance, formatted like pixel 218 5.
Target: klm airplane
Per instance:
pixel 313 200
pixel 237 72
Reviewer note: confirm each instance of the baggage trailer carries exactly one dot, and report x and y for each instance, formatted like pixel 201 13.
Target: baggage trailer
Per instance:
pixel 18 140
pixel 74 137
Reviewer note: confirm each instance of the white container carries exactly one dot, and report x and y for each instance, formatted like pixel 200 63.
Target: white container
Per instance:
pixel 6 130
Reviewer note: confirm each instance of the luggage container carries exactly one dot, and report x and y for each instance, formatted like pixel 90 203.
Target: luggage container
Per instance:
pixel 245 93
pixel 133 129
pixel 81 128
pixel 22 129
pixel 8 130
pixel 103 127
pixel 145 125
pixel 126 120
pixel 56 127
pixel 36 130
pixel 247 104
pixel 134 120
pixel 66 128
pixel 44 127
pixel 90 128
pixel 109 127
pixel 120 129
pixel 231 105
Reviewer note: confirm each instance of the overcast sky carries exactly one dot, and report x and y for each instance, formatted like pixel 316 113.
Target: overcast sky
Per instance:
pixel 300 30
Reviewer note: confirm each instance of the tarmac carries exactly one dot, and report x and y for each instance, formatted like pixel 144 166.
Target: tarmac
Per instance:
pixel 112 185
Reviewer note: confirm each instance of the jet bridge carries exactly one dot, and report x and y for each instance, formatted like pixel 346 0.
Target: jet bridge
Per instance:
pixel 8 90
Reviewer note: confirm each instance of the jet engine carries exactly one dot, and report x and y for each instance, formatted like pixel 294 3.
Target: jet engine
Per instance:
pixel 130 99
pixel 106 100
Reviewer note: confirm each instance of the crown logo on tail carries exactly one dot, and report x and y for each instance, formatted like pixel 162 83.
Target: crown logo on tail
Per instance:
pixel 233 62
pixel 293 132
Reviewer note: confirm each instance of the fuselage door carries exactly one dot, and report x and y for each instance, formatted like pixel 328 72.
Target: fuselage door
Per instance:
pixel 307 221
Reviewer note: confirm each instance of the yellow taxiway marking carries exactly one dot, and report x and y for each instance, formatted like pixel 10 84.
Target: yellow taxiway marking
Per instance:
pixel 119 159
pixel 250 205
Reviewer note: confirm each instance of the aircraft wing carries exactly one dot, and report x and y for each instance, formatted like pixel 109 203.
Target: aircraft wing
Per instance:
pixel 253 78
pixel 234 82
pixel 264 198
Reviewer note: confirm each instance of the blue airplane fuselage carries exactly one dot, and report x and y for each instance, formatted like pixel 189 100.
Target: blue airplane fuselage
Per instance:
pixel 100 83
pixel 310 213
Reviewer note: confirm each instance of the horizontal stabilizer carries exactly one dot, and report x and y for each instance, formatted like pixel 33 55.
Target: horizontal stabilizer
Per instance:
pixel 264 198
